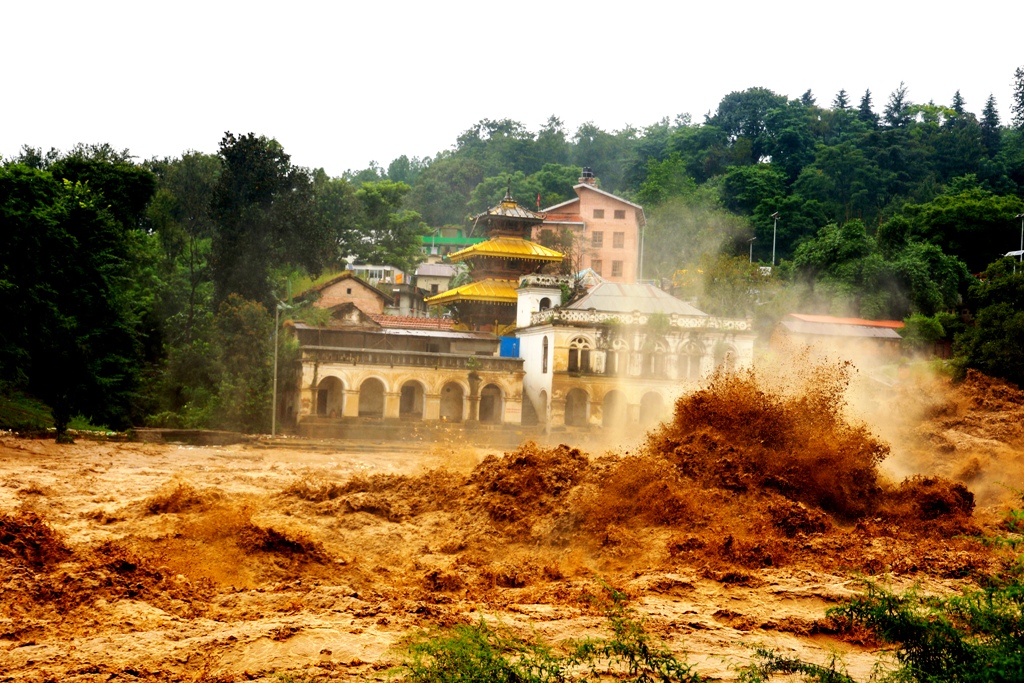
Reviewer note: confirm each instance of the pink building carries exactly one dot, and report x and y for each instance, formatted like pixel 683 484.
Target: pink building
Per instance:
pixel 608 230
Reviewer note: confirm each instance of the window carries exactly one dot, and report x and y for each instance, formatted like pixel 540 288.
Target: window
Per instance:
pixel 597 240
pixel 595 266
pixel 544 357
pixel 579 355
pixel 348 290
pixel 616 268
pixel 620 214
pixel 433 289
pixel 433 348
pixel 618 240
pixel 598 213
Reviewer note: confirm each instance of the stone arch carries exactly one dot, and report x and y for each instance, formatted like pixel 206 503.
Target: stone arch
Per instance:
pixel 579 354
pixel 652 408
pixel 371 398
pixel 453 400
pixel 412 400
pixel 577 408
pixel 330 397
pixel 492 404
pixel 613 409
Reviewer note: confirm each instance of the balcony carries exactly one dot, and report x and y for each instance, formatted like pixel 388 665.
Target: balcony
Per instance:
pixel 410 359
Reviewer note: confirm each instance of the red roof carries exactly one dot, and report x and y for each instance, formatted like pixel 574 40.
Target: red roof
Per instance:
pixel 409 322
pixel 564 218
pixel 891 324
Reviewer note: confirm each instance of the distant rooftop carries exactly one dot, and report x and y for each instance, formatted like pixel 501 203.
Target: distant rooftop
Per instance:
pixel 409 322
pixel 435 270
pixel 618 297
pixel 829 326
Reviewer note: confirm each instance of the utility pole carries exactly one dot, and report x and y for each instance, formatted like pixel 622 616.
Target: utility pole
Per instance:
pixel 273 403
pixel 775 231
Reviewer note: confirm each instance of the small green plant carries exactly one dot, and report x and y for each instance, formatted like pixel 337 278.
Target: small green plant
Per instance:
pixel 482 653
pixel 768 663
pixel 630 655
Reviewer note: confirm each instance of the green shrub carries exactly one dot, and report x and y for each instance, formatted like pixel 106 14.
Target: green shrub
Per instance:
pixel 485 654
pixel 479 653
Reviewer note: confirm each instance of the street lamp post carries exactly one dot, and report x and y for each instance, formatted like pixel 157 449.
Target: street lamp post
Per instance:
pixel 1021 217
pixel 775 230
pixel 273 403
pixel 751 243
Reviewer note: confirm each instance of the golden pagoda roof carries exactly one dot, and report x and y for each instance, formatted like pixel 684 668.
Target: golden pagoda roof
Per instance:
pixel 508 247
pixel 489 290
pixel 510 208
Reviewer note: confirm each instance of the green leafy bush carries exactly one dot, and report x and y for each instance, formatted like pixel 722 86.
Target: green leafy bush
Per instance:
pixel 485 654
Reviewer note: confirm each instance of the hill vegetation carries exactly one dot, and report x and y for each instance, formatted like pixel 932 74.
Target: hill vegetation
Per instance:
pixel 144 291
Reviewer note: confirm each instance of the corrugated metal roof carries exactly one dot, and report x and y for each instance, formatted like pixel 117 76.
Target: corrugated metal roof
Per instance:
pixel 411 322
pixel 831 320
pixel 508 247
pixel 618 297
pixel 843 329
pixel 442 334
pixel 435 270
pixel 496 291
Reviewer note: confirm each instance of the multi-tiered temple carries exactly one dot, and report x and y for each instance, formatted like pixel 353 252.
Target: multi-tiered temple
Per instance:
pixel 488 303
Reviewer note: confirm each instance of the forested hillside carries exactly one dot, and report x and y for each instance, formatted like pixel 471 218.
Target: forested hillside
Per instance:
pixel 143 292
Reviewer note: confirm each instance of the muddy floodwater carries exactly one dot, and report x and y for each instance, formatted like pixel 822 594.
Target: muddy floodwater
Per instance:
pixel 737 523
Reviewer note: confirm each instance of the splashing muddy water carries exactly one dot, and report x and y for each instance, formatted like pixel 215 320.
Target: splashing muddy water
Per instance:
pixel 737 522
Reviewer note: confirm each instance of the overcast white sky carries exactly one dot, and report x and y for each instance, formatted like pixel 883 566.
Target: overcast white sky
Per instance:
pixel 341 84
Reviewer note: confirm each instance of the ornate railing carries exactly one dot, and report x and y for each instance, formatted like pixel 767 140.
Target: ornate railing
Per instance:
pixel 410 359
pixel 593 317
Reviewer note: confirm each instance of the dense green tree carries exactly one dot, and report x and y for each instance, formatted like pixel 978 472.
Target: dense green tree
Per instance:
pixel 265 213
pixel 552 145
pixel 864 111
pixel 1017 103
pixel 181 215
pixel 842 100
pixel 665 180
pixel 897 112
pixel 744 188
pixel 337 209
pixel 994 342
pixel 968 223
pixel 244 337
pixel 556 182
pixel 388 233
pixel 788 138
pixel 743 118
pixel 608 155
pixel 406 170
pixel 705 150
pixel 65 286
pixel 990 127
pixel 443 189
pixel 848 273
